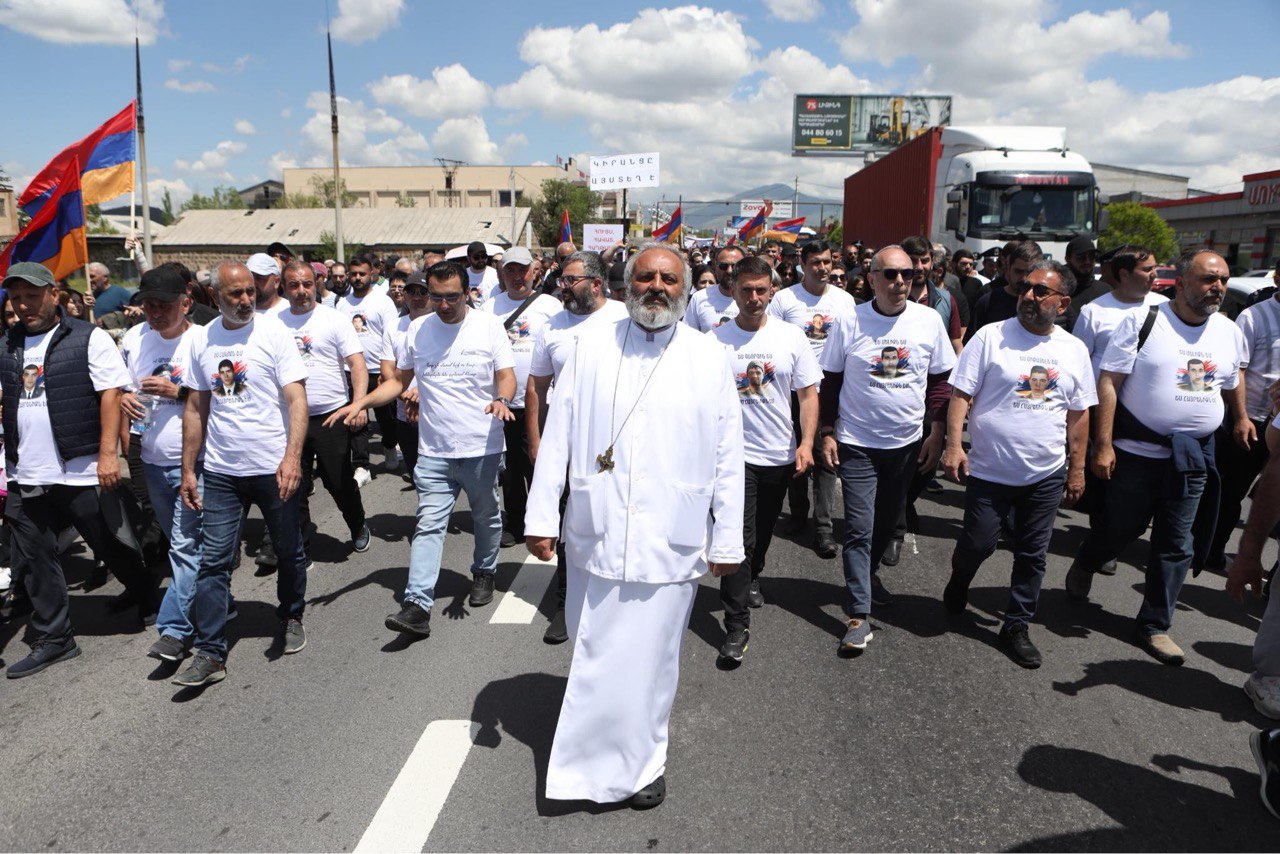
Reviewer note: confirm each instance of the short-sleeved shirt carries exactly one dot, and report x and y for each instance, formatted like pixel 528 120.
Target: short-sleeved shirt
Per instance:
pixel 149 354
pixel 39 463
pixel 709 308
pixel 555 342
pixel 1022 387
pixel 768 364
pixel 1174 384
pixel 112 298
pixel 454 364
pixel 523 333
pixel 1260 324
pixel 1100 317
pixel 482 284
pixel 816 315
pixel 394 342
pixel 245 371
pixel 370 316
pixel 325 339
pixel 886 361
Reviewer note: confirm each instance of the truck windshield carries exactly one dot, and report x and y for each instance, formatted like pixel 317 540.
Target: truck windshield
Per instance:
pixel 1029 209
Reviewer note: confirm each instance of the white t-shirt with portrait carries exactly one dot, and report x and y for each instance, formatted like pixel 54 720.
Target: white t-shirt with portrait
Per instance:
pixel 148 354
pixel 394 342
pixel 555 343
pixel 1022 387
pixel 482 284
pixel 523 333
pixel 1260 324
pixel 454 365
pixel 815 315
pixel 325 338
pixel 245 371
pixel 768 364
pixel 370 316
pixel 39 463
pixel 1098 321
pixel 1175 385
pixel 886 361
pixel 709 309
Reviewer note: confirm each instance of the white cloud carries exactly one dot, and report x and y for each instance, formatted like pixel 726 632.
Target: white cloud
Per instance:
pixel 110 22
pixel 360 21
pixel 467 139
pixel 794 10
pixel 237 65
pixel 214 161
pixel 286 113
pixel 179 191
pixel 370 137
pixel 245 127
pixel 178 64
pixel 450 92
pixel 189 87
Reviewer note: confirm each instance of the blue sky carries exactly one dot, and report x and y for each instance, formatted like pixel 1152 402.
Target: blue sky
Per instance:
pixel 234 90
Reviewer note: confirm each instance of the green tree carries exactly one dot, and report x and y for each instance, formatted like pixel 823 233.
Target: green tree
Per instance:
pixel 329 247
pixel 220 198
pixel 298 200
pixel 406 201
pixel 95 223
pixel 1131 222
pixel 555 198
pixel 323 187
pixel 167 205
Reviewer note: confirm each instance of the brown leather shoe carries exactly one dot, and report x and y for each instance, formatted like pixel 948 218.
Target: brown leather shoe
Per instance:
pixel 1162 648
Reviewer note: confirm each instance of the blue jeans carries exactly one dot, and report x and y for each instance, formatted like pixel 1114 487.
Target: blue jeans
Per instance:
pixel 226 498
pixel 874 482
pixel 181 525
pixel 438 482
pixel 1138 493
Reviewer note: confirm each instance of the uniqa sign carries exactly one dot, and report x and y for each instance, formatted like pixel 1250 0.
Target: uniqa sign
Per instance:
pixel 1263 195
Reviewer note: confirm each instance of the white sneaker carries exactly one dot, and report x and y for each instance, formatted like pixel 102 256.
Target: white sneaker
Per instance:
pixel 362 477
pixel 6 578
pixel 393 459
pixel 1264 691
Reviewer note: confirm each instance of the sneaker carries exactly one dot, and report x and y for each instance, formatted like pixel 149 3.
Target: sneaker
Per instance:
pixel 168 648
pixel 507 540
pixel 955 596
pixel 1016 641
pixel 362 477
pixel 360 541
pixel 858 635
pixel 1263 745
pixel 880 594
pixel 481 589
pixel 1264 691
pixel 412 619
pixel 755 599
pixel 266 556
pixel 651 795
pixel 557 631
pixel 43 654
pixel 393 459
pixel 1108 568
pixel 735 644
pixel 825 547
pixel 202 670
pixel 1079 582
pixel 295 637
pixel 892 553
pixel 1161 647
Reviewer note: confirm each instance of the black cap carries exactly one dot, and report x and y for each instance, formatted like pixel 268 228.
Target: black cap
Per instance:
pixel 415 280
pixel 1079 243
pixel 162 283
pixel 279 248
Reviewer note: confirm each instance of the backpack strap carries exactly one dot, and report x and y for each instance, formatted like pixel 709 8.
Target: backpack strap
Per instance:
pixel 1147 326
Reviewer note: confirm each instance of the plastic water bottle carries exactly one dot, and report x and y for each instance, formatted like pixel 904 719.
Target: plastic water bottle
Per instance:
pixel 148 402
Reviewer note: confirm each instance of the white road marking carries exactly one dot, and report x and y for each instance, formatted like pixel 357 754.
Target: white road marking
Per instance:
pixel 520 603
pixel 410 809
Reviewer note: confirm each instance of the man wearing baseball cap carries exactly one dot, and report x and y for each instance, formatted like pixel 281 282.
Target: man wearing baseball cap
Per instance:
pixel 482 279
pixel 1081 257
pixel 61 444
pixel 266 284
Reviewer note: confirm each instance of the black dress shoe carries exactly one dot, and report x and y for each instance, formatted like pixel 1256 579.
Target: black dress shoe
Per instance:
pixel 892 553
pixel 826 547
pixel 481 590
pixel 557 631
pixel 1017 643
pixel 1108 568
pixel 411 619
pixel 651 795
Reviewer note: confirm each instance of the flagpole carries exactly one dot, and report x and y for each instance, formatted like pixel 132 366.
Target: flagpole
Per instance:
pixel 680 228
pixel 337 172
pixel 142 158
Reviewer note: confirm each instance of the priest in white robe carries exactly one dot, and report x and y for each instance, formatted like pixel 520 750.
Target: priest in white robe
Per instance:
pixel 646 425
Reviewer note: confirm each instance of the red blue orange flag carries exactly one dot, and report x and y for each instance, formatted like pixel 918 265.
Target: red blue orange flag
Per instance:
pixel 55 236
pixel 106 157
pixel 755 225
pixel 787 230
pixel 566 231
pixel 670 228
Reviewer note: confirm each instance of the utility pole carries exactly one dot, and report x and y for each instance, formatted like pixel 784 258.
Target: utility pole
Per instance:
pixel 450 168
pixel 514 210
pixel 795 198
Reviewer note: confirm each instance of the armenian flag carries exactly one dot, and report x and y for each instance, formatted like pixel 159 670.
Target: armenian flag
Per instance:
pixel 671 227
pixel 55 236
pixel 755 225
pixel 106 156
pixel 566 231
pixel 787 231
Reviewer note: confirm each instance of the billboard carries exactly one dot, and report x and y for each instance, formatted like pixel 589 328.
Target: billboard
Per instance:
pixel 852 124
pixel 750 207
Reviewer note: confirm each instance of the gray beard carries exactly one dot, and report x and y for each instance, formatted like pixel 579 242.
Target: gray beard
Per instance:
pixel 656 317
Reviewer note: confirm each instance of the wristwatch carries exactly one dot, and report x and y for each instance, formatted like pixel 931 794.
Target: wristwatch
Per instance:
pixel 505 401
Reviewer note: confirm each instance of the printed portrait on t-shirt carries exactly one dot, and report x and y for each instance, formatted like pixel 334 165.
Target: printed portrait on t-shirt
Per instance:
pixel 818 328
pixel 173 372
pixel 32 382
pixel 304 345
pixel 720 322
pixel 1198 375
pixel 518 330
pixel 229 381
pixel 358 321
pixel 891 363
pixel 1038 385
pixel 752 382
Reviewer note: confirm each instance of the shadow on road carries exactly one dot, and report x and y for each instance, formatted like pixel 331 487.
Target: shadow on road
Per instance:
pixel 1180 687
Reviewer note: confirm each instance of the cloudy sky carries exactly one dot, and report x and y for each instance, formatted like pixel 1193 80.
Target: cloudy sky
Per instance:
pixel 237 90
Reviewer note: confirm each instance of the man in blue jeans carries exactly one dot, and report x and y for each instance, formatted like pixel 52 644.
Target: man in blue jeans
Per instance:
pixel 247 409
pixel 156 355
pixel 1163 380
pixel 464 367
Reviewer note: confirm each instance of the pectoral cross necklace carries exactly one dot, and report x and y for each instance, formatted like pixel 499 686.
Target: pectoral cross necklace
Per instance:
pixel 604 462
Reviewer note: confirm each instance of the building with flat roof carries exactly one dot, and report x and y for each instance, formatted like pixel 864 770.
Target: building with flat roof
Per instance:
pixel 1243 227
pixel 1123 184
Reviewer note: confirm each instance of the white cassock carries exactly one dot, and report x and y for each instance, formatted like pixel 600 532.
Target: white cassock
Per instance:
pixel 637 537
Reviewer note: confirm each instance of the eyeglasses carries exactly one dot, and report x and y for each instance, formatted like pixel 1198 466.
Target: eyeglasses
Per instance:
pixel 647 276
pixel 837 277
pixel 891 274
pixel 1209 279
pixel 451 299
pixel 727 267
pixel 1038 291
pixel 570 281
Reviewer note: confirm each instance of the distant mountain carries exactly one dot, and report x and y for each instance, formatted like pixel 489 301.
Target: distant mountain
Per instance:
pixel 714 216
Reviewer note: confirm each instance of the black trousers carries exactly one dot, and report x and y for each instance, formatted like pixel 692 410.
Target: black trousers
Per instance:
pixel 1238 469
pixel 329 450
pixel 386 418
pixel 517 474
pixel 407 439
pixel 765 490
pixel 35 521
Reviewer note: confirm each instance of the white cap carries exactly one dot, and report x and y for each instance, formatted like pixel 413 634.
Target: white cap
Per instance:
pixel 262 264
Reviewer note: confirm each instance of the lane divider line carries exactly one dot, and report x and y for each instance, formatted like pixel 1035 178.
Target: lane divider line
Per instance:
pixel 519 605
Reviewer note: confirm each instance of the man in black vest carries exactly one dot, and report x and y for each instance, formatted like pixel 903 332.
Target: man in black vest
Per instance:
pixel 61 446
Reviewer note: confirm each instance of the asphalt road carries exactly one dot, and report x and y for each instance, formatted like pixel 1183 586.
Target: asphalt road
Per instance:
pixel 931 740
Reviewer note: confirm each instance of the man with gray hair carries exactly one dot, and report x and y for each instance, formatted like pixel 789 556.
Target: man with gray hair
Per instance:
pixel 104 297
pixel 653 454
